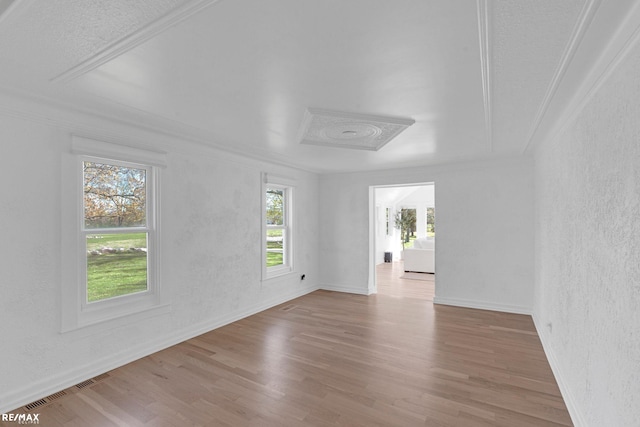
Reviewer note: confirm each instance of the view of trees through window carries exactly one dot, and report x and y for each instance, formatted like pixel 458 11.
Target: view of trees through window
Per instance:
pixel 431 222
pixel 405 221
pixel 115 224
pixel 275 205
pixel 114 196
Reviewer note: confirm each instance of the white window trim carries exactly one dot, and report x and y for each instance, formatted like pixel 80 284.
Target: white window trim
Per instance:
pixel 286 184
pixel 76 312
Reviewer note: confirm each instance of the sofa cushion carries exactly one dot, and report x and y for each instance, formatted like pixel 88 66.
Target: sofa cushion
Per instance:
pixel 423 243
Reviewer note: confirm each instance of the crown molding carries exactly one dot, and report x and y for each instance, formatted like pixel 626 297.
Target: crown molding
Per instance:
pixel 618 48
pixel 579 30
pixel 484 37
pixel 179 138
pixel 12 7
pixel 91 123
pixel 135 39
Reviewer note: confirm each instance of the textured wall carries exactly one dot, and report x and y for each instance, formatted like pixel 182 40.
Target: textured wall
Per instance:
pixel 587 301
pixel 62 34
pixel 484 249
pixel 528 40
pixel 210 266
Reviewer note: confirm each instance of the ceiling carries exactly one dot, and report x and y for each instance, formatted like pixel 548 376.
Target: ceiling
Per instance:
pixel 480 79
pixel 406 196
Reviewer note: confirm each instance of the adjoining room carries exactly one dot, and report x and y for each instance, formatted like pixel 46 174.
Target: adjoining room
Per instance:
pixel 405 241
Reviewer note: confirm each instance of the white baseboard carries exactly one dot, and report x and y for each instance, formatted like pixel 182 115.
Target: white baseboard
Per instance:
pixel 482 305
pixel 346 289
pixel 572 407
pixel 10 400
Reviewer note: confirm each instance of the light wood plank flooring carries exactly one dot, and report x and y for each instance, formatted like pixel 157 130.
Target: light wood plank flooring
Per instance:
pixel 333 359
pixel 390 282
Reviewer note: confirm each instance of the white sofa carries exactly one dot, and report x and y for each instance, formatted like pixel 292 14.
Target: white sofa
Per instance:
pixel 421 257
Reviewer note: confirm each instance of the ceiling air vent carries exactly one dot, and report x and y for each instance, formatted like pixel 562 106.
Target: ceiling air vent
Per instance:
pixel 348 130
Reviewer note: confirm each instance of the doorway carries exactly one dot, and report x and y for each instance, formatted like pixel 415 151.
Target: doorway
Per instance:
pixel 402 240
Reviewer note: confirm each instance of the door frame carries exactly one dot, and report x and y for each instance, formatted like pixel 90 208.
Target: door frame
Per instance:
pixel 372 283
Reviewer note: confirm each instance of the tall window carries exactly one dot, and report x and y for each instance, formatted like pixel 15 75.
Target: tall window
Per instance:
pixel 431 222
pixel 110 236
pixel 277 229
pixel 388 221
pixel 116 229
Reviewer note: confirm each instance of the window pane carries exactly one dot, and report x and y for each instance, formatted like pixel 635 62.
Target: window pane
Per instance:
pixel 387 219
pixel 431 221
pixel 275 206
pixel 275 247
pixel 116 265
pixel 114 196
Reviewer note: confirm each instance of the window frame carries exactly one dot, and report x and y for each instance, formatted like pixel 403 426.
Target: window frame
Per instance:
pixel 77 311
pixel 426 214
pixel 150 229
pixel 287 266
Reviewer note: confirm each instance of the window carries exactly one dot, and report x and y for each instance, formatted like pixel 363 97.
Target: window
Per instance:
pixel 388 221
pixel 117 229
pixel 431 222
pixel 110 232
pixel 277 227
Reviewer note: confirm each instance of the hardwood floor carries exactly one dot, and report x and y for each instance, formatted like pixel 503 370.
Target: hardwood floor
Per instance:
pixel 333 359
pixel 390 282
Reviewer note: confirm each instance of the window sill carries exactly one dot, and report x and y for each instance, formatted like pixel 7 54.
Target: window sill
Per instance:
pixel 278 275
pixel 113 321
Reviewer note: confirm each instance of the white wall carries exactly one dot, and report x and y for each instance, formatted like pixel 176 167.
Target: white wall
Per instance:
pixel 210 267
pixel 484 253
pixel 587 300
